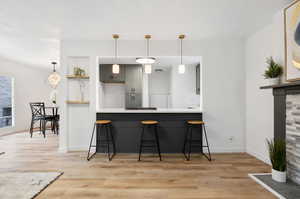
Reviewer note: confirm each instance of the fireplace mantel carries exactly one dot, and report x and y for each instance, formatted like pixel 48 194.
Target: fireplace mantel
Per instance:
pixel 280 92
pixel 284 85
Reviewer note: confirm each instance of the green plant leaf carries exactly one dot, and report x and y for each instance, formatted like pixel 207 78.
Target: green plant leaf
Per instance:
pixel 277 154
pixel 274 70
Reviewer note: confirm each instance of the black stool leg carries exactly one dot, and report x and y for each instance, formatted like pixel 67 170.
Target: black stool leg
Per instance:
pixel 185 142
pixel 112 141
pixel 157 142
pixel 107 141
pixel 190 142
pixel 141 141
pixel 88 156
pixel 207 145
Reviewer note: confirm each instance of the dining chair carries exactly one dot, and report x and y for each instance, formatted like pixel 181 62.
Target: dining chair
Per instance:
pixel 38 114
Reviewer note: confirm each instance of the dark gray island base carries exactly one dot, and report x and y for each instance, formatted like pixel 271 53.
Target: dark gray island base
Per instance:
pixel 126 128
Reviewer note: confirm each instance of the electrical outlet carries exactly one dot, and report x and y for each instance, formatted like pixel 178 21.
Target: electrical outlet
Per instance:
pixel 231 138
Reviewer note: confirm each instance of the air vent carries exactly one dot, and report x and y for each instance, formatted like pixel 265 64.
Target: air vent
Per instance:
pixel 159 70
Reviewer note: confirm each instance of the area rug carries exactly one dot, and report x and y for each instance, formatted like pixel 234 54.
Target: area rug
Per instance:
pixel 25 185
pixel 288 190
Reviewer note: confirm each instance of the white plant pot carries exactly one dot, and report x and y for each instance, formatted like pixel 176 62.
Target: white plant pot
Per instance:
pixel 279 176
pixel 274 81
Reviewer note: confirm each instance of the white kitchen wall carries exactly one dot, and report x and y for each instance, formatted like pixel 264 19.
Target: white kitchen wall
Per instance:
pixel 113 95
pixel 159 88
pixel 184 88
pixel 30 85
pixel 223 83
pixel 267 42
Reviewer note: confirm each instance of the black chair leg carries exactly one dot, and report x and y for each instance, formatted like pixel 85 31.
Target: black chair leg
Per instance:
pixel 54 127
pixel 88 156
pixel 44 127
pixel 207 145
pixel 57 127
pixel 31 127
pixel 41 127
pixel 141 143
pixel 157 142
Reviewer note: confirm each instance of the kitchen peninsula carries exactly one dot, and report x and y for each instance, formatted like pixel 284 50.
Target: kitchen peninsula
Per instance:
pixel 165 96
pixel 127 127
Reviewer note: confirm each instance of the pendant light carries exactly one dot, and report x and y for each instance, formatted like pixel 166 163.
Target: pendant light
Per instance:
pixel 181 67
pixel 148 68
pixel 116 67
pixel 146 60
pixel 54 78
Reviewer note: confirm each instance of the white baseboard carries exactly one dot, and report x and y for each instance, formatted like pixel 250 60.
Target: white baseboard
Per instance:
pixel 227 150
pixel 259 156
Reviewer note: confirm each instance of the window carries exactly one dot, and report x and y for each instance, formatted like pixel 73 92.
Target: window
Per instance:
pixel 6 99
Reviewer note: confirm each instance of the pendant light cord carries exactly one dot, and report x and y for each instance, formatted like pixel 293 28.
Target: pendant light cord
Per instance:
pixel 148 47
pixel 54 63
pixel 116 46
pixel 180 51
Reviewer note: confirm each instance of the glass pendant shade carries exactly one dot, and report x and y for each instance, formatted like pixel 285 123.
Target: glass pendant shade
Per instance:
pixel 54 78
pixel 181 69
pixel 148 69
pixel 116 69
pixel 181 66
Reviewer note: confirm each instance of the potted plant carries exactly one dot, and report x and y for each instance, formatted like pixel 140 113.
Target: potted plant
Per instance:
pixel 278 159
pixel 273 72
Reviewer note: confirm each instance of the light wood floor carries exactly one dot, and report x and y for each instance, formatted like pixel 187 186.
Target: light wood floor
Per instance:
pixel 124 177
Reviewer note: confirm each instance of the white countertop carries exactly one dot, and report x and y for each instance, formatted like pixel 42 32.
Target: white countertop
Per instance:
pixel 159 110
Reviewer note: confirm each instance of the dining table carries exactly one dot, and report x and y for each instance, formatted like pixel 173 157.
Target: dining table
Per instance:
pixel 54 112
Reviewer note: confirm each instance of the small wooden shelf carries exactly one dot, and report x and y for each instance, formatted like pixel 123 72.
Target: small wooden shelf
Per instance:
pixel 77 77
pixel 77 102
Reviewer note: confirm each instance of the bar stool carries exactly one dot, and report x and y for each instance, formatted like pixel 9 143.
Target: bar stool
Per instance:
pixel 149 143
pixel 106 141
pixel 190 142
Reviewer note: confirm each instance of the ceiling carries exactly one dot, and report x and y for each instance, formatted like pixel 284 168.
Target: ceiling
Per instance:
pixel 30 30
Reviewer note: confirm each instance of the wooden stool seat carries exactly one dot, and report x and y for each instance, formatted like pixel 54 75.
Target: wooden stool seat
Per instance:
pixel 103 122
pixel 149 122
pixel 195 122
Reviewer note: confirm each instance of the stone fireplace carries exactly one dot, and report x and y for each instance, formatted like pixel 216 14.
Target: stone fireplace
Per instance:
pixel 287 124
pixel 293 137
